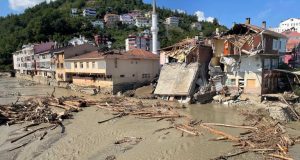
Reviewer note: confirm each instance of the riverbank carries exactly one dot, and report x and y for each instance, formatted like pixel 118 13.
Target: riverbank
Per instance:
pixel 84 138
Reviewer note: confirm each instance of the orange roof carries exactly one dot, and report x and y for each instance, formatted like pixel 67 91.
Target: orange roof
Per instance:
pixel 132 54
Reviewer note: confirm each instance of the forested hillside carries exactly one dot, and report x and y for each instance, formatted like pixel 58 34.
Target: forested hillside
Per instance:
pixel 54 22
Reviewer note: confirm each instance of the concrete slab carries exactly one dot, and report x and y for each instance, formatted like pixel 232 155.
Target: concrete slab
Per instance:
pixel 177 79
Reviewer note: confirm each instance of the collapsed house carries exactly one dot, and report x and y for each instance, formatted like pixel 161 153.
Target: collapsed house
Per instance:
pixel 248 55
pixel 184 71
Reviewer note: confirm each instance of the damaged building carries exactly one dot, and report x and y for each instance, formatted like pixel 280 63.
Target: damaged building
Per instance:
pixel 184 71
pixel 248 55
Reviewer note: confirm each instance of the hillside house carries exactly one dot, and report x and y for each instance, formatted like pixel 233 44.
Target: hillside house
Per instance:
pixel 98 24
pixel 248 54
pixel 142 22
pixel 89 12
pixel 127 19
pixel 112 71
pixel 197 26
pixel 111 20
pixel 172 21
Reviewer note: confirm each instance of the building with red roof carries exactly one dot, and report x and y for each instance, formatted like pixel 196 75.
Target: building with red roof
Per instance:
pixel 113 71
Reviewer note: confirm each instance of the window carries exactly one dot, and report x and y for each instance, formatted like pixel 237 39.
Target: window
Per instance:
pixel 122 76
pixel 81 64
pixel 75 64
pixel 43 56
pixel 231 82
pixel 116 63
pixel 133 75
pixel 57 65
pixel 267 63
pixel 275 44
pixel 145 75
pixel 93 64
pixel 62 65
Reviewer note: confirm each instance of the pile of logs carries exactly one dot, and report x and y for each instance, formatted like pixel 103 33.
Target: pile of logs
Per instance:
pixel 138 109
pixel 40 110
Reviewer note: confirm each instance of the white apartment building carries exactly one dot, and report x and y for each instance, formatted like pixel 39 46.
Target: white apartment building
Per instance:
pixel 24 60
pixel 89 12
pixel 142 22
pixel 127 19
pixel 172 21
pixel 291 24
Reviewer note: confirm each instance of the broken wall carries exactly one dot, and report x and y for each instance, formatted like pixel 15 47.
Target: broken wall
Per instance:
pixel 177 79
pixel 247 77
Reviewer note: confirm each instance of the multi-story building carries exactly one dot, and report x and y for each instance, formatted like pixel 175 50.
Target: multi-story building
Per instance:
pixel 113 71
pixel 102 40
pixel 45 60
pixel 143 42
pixel 127 19
pixel 98 24
pixel 24 62
pixel 249 55
pixel 111 19
pixel 141 22
pixel 89 12
pixel 63 53
pixel 197 26
pixel 291 24
pixel 172 21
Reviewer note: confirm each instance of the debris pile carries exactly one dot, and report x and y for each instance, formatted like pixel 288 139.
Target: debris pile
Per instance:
pixel 121 108
pixel 40 110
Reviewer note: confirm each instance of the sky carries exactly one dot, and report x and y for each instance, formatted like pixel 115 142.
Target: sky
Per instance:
pixel 226 11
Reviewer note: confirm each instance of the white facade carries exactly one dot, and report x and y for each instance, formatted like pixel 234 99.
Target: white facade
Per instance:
pixel 78 41
pixel 172 21
pixel 292 24
pixel 98 24
pixel 74 11
pixel 24 59
pixel 197 26
pixel 127 19
pixel 142 22
pixel 89 12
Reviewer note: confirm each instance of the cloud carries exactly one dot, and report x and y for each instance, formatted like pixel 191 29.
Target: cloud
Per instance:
pixel 23 4
pixel 201 17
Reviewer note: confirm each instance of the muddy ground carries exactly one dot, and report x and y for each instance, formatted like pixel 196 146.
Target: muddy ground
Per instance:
pixel 84 138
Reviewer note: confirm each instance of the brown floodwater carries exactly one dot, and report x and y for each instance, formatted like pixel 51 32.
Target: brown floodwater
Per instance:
pixel 86 139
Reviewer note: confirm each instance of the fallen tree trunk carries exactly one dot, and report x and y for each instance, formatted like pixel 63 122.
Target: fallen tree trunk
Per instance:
pixel 217 132
pixel 29 133
pixel 228 125
pixel 118 116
